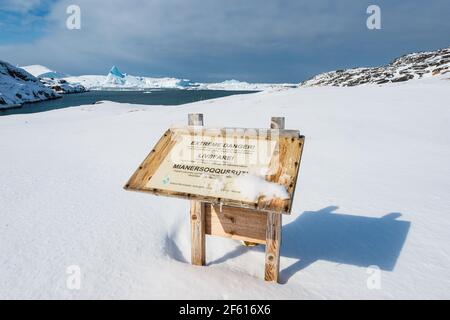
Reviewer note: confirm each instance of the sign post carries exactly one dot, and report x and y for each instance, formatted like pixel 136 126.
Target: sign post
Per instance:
pixel 239 182
pixel 273 231
pixel 198 217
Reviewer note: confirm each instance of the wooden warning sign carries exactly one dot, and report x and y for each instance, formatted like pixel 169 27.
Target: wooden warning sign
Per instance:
pixel 246 168
pixel 237 179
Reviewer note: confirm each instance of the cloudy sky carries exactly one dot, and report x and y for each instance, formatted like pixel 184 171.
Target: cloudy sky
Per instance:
pixel 215 40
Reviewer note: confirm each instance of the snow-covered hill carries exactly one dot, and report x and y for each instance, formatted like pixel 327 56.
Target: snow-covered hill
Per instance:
pixel 373 190
pixel 62 86
pixel 18 86
pixel 408 67
pixel 54 79
pixel 40 71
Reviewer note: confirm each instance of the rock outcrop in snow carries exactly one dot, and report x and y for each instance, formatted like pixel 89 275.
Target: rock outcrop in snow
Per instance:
pixel 407 67
pixel 62 86
pixel 17 86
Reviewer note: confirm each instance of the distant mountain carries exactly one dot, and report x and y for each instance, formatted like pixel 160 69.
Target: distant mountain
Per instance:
pixel 407 67
pixel 17 86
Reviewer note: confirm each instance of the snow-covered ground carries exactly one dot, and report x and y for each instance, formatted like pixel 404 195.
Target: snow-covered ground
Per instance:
pixel 373 190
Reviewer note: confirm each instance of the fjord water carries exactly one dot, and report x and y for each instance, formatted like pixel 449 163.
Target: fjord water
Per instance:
pixel 167 97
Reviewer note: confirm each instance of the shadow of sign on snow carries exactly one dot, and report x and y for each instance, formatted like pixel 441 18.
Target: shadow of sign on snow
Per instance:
pixel 341 238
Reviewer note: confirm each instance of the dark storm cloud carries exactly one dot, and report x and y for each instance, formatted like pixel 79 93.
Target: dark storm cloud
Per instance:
pixel 213 40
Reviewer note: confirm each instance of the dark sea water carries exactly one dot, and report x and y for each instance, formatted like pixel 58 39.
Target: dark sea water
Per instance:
pixel 167 97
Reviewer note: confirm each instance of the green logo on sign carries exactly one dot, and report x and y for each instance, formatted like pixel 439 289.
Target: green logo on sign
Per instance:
pixel 166 180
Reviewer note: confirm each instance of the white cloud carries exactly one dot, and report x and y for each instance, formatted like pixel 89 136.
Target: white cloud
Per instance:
pixel 22 6
pixel 187 38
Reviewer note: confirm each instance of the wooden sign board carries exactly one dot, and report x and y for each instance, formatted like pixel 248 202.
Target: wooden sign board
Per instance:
pixel 246 168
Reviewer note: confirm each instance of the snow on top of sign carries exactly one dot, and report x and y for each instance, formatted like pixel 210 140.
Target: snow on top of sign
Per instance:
pixel 254 187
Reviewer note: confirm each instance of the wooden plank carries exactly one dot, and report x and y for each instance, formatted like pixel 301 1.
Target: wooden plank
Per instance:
pixel 151 163
pixel 259 133
pixel 274 221
pixel 273 244
pixel 284 170
pixel 236 223
pixel 198 217
pixel 198 252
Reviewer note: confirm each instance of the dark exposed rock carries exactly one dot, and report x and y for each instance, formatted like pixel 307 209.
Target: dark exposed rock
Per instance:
pixel 403 78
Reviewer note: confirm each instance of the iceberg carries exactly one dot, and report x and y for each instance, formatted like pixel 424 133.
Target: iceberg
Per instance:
pixel 116 80
pixel 115 72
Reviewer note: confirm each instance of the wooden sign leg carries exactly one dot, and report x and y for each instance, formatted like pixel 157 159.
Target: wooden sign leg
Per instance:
pixel 198 221
pixel 273 244
pixel 273 232
pixel 198 217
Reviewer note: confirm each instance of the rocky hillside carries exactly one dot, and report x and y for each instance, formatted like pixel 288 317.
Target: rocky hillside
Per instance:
pixel 62 86
pixel 410 66
pixel 18 86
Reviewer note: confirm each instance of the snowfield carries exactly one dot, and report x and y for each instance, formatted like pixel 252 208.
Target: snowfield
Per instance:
pixel 373 190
